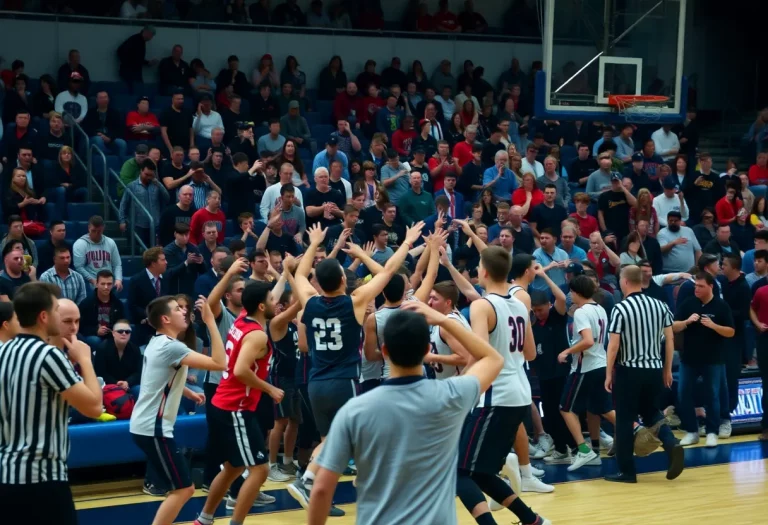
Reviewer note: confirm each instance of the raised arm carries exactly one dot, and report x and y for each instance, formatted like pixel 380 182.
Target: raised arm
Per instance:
pixel 434 242
pixel 479 244
pixel 217 294
pixel 218 358
pixel 555 289
pixel 465 287
pixel 304 288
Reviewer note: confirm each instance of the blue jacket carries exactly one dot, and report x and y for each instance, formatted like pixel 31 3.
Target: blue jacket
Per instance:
pixel 459 203
pixel 206 283
pixel 181 277
pixel 322 160
pixel 504 186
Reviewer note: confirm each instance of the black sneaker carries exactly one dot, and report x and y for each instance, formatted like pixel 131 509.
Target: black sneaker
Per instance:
pixel 151 490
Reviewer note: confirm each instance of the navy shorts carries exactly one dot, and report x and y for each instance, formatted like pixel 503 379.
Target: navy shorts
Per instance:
pixel 586 393
pixel 327 397
pixel 488 436
pixel 290 406
pixel 166 467
pixel 238 437
pixel 308 434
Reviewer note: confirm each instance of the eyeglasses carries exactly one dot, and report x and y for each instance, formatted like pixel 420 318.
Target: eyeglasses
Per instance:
pixel 124 332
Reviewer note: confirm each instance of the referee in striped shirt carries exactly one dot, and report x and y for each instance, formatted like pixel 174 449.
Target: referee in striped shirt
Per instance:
pixel 38 383
pixel 636 327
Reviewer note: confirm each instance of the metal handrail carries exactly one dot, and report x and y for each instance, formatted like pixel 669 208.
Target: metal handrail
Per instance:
pixel 86 141
pixel 134 202
pixel 104 189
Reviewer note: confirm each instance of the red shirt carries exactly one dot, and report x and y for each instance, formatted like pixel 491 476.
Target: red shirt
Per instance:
pixel 518 199
pixel 402 141
pixel 760 304
pixel 600 264
pixel 425 23
pixel 135 119
pixel 587 224
pixel 726 210
pixel 758 175
pixel 438 181
pixel 232 394
pixel 343 106
pixel 463 152
pixel 199 218
pixel 446 20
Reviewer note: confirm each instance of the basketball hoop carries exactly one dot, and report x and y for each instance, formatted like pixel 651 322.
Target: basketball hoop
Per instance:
pixel 639 108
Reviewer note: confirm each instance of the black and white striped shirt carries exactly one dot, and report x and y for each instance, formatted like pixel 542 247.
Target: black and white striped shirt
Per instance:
pixel 640 321
pixel 34 437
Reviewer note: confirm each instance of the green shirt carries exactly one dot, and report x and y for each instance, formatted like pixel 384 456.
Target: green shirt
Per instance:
pixel 128 173
pixel 415 207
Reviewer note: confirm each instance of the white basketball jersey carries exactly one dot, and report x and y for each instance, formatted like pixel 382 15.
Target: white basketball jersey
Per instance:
pixel 511 388
pixel 439 347
pixel 592 316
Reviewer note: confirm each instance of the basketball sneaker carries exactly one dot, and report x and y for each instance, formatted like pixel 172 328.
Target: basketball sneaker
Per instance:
pixel 534 484
pixel 537 471
pixel 725 429
pixel 581 459
pixel 606 441
pixel 275 474
pixel 534 451
pixel 559 458
pixel 262 500
pixel 690 438
pixel 150 490
pixel 711 440
pixel 511 469
pixel 300 492
pixel 546 444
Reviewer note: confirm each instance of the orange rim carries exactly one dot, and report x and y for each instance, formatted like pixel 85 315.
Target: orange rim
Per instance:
pixel 631 100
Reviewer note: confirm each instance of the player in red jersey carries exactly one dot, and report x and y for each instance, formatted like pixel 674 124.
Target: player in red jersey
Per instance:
pixel 235 430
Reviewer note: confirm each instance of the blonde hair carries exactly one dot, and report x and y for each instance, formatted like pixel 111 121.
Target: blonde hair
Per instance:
pixel 26 190
pixel 65 149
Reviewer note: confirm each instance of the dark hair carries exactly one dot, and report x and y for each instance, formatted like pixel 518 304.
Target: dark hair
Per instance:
pixel 287 188
pixel 148 164
pixel 406 338
pixel 448 291
pixel 61 249
pixel 104 274
pixel 96 221
pixel 157 308
pixel 549 232
pixel 520 263
pixel 33 298
pixel 181 228
pixel 6 312
pixel 14 218
pixel 761 254
pixel 761 235
pixel 550 185
pixel 705 260
pixel 582 285
pixel 704 276
pixel 496 261
pixel 54 224
pixel 394 289
pixel 8 248
pixel 236 245
pixel 540 298
pixel 734 259
pixel 256 253
pixel 442 201
pixel 239 158
pixel 329 274
pixel 378 228
pixel 254 294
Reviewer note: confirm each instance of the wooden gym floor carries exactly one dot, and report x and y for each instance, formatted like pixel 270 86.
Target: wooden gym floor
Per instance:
pixel 728 484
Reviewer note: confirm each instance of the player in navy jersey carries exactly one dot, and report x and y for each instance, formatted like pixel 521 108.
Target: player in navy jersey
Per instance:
pixel 284 335
pixel 236 430
pixel 333 322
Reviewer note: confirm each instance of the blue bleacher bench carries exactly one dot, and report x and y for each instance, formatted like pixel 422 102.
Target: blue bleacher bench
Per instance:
pixel 97 444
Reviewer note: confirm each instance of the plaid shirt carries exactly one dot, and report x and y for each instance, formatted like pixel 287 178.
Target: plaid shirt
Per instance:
pixel 72 287
pixel 154 197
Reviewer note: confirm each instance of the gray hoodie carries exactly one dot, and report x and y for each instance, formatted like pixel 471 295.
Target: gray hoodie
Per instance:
pixel 89 258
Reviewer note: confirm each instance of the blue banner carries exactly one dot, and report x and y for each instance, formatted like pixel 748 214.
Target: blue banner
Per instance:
pixel 750 408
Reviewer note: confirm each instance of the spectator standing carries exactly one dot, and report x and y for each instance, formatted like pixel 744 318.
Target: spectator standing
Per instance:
pixel 178 213
pixel 441 164
pixel 118 361
pixel 270 145
pixel 758 172
pixel 552 259
pixel 679 247
pixel 651 160
pixel 43 100
pixel 246 186
pixel 206 119
pixel 132 55
pixel 729 205
pixel 331 152
pixel 722 244
pixel 323 204
pixel 232 76
pixel 530 163
pixel 499 178
pixel 389 117
pixel 18 99
pixel 105 128
pixel 582 167
pixel 71 102
pixel 71 283
pixel 704 188
pixel 131 168
pixel 332 80
pixel 294 126
pixel 666 143
pixel 95 251
pixel 100 310
pixel 185 263
pixel 601 180
pixel 670 200
pixel 173 72
pixel 395 177
pixel 73 65
pixel 415 205
pixel 348 142
pixel 264 107
pixel 144 288
pixel 176 125
pixel 456 207
pixel 402 139
pixel 548 215
pixel 552 177
pixel 152 195
pixel 49 146
pixel 613 208
pixel 210 214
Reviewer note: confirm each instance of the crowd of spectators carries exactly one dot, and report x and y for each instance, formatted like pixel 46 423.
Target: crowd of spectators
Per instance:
pixel 231 167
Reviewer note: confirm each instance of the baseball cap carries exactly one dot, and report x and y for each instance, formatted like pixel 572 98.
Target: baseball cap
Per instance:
pixel 423 122
pixel 293 104
pixel 669 183
pixel 574 268
pixel 143 97
pixel 76 76
pixel 142 149
pixel 333 141
pixel 637 157
pixel 616 176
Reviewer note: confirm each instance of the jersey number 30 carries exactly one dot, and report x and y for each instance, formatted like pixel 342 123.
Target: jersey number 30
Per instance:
pixel 327 334
pixel 517 335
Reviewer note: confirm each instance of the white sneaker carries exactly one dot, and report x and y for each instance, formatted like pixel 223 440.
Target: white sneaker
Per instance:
pixel 546 443
pixel 725 429
pixel 534 451
pixel 581 459
pixel 559 458
pixel 690 438
pixel 606 441
pixel 702 431
pixel 537 472
pixel 711 440
pixel 275 474
pixel 511 469
pixel 495 505
pixel 534 484
pixel 545 521
pixel 595 462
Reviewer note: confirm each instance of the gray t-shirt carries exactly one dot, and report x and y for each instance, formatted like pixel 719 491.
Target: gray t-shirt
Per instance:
pixel 401 186
pixel 162 367
pixel 224 323
pixel 681 257
pixel 418 423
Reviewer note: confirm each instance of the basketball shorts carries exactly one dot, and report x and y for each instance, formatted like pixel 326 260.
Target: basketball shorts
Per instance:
pixel 167 469
pixel 238 437
pixel 488 436
pixel 308 434
pixel 327 397
pixel 586 392
pixel 290 406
